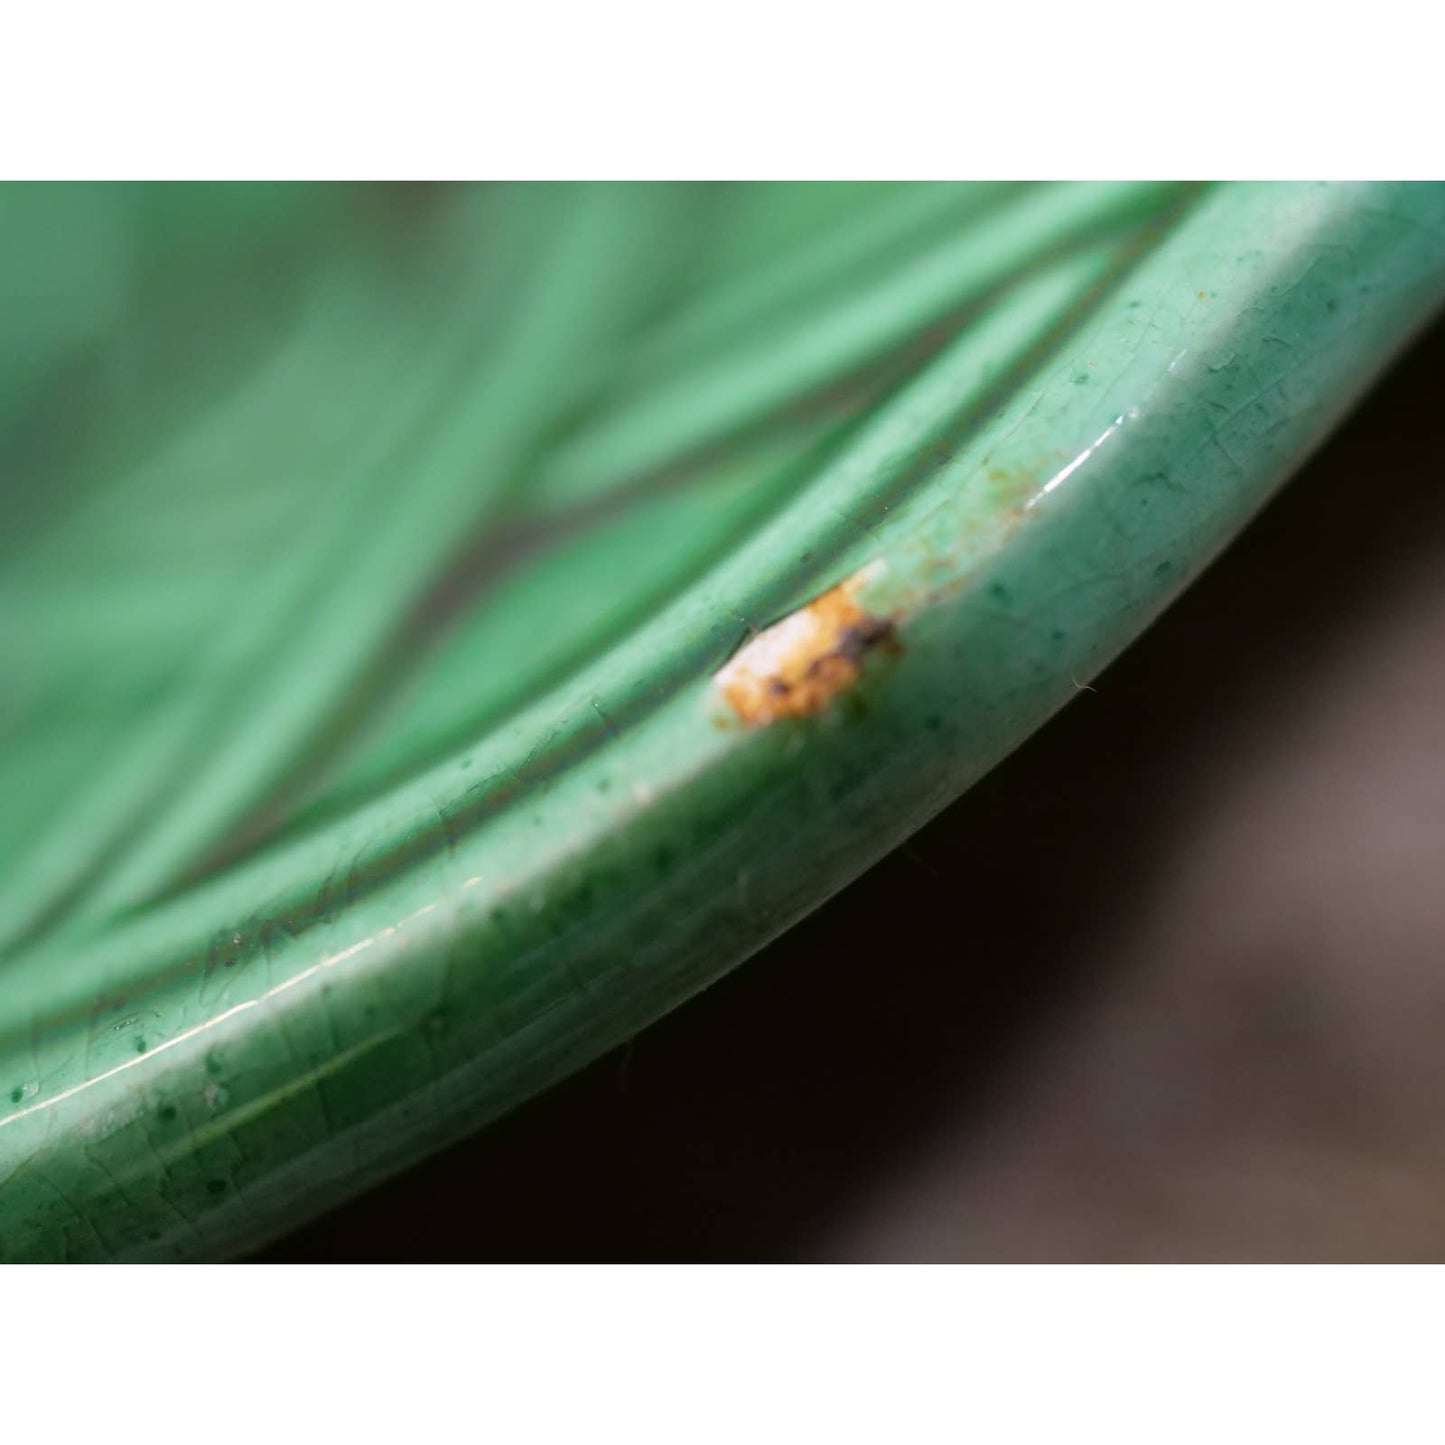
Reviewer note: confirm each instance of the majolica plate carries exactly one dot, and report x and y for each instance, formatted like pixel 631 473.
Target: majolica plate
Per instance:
pixel 445 628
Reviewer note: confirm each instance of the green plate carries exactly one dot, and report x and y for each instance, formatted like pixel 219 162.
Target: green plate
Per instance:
pixel 446 627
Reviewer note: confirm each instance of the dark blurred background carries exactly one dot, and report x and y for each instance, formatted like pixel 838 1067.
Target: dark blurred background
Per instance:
pixel 1168 985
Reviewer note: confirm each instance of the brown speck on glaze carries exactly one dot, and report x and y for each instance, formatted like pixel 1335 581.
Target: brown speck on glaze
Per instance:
pixel 797 667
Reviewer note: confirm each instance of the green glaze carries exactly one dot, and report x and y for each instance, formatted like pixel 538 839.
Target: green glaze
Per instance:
pixel 365 761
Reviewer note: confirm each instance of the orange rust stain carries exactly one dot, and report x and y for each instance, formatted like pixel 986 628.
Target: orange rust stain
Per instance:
pixel 798 666
pixel 1012 488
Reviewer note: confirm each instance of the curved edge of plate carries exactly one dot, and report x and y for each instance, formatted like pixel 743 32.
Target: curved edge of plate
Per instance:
pixel 259 1085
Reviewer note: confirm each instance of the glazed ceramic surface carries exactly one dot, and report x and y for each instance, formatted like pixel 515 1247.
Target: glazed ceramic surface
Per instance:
pixel 446 628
